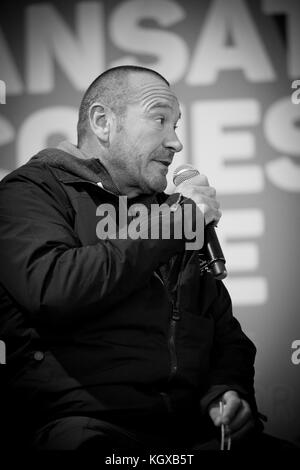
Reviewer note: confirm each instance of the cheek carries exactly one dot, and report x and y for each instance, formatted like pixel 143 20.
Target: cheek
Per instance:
pixel 147 141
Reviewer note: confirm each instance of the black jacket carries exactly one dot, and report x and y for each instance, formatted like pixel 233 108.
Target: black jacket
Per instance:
pixel 106 328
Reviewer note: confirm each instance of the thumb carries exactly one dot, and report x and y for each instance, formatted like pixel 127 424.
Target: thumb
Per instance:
pixel 214 414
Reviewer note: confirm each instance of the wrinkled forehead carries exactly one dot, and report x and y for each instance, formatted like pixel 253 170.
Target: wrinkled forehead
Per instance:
pixel 155 93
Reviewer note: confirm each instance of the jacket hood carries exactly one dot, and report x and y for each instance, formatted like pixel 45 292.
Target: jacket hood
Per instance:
pixel 88 169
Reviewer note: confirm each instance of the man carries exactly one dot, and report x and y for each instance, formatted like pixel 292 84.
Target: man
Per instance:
pixel 116 341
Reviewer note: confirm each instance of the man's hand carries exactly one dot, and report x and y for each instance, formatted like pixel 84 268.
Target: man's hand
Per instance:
pixel 237 414
pixel 198 189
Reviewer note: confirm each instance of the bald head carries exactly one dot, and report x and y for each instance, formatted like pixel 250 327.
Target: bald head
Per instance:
pixel 115 89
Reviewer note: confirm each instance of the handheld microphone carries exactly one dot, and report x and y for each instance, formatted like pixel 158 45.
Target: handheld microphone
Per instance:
pixel 215 261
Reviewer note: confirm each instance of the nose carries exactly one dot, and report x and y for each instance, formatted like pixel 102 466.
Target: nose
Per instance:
pixel 172 142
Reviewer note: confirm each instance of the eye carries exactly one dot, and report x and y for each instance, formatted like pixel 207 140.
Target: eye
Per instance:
pixel 161 120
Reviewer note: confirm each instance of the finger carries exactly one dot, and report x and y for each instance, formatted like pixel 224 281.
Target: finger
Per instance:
pixel 215 415
pixel 210 191
pixel 206 204
pixel 193 190
pixel 210 214
pixel 201 195
pixel 198 180
pixel 213 217
pixel 206 190
pixel 211 204
pixel 231 407
pixel 209 207
pixel 217 218
pixel 241 418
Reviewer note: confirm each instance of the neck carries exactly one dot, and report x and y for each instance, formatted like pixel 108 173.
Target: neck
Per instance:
pixel 89 150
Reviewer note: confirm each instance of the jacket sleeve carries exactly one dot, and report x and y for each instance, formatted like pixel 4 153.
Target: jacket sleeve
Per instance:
pixel 45 268
pixel 233 354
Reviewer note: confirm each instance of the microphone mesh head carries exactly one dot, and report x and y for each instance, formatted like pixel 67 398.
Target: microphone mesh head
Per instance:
pixel 183 173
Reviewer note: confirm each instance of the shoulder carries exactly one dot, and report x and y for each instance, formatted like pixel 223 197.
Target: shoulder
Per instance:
pixel 33 180
pixel 37 169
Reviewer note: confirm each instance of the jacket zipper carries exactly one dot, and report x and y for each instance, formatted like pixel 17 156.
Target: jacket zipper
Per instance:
pixel 172 334
pixel 171 343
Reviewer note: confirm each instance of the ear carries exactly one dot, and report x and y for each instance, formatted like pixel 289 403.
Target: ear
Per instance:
pixel 100 117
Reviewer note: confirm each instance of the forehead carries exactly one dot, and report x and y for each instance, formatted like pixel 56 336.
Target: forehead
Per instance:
pixel 152 92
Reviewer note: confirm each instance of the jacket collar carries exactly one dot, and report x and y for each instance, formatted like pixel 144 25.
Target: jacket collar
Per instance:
pixel 72 166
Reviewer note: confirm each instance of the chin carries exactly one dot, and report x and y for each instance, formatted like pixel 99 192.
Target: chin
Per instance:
pixel 155 183
pixel 160 185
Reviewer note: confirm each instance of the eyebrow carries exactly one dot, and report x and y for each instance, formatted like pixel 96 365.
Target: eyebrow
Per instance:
pixel 162 105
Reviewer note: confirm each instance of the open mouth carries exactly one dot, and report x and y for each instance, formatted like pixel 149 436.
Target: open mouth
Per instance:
pixel 165 163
